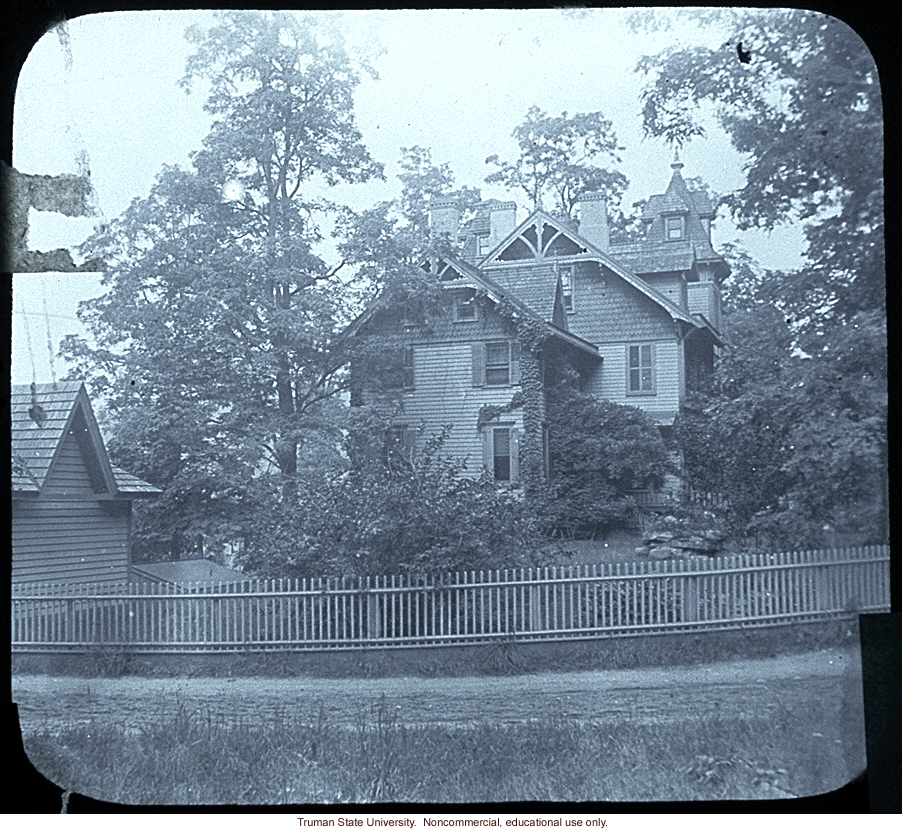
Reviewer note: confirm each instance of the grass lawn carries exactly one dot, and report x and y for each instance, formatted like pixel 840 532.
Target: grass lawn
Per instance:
pixel 183 756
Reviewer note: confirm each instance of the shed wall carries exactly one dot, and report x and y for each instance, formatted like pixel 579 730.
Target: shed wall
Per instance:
pixel 68 534
pixel 73 541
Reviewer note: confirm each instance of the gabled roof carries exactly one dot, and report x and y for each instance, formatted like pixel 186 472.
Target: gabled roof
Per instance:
pixel 543 295
pixel 472 276
pixel 187 572
pixel 41 416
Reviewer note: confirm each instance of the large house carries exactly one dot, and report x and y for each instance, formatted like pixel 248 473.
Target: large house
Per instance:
pixel 639 323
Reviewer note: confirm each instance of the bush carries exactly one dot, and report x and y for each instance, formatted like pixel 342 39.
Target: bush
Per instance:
pixel 391 511
pixel 600 451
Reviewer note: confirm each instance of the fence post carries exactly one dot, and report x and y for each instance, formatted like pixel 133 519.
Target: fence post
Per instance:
pixel 373 631
pixel 822 585
pixel 690 593
pixel 535 623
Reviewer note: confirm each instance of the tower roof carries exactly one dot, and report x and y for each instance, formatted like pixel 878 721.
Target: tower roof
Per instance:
pixel 658 251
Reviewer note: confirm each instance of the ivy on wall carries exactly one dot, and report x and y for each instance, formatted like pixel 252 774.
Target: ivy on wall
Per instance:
pixel 533 335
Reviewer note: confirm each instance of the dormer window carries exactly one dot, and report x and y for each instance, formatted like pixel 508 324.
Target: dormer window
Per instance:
pixel 567 288
pixel 675 227
pixel 482 243
pixel 464 306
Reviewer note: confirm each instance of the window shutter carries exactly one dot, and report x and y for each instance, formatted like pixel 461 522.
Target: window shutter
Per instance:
pixel 654 369
pixel 515 362
pixel 479 364
pixel 488 451
pixel 515 455
pixel 408 441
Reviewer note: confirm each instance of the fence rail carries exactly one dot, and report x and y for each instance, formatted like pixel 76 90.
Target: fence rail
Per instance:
pixel 476 606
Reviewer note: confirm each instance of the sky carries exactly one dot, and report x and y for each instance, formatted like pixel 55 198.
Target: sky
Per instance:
pixel 101 94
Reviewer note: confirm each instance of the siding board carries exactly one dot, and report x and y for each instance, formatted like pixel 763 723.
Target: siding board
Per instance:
pixel 75 542
pixel 69 475
pixel 445 395
pixel 610 381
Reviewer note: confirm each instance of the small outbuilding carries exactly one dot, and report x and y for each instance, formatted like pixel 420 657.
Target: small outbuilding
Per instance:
pixel 71 508
pixel 186 574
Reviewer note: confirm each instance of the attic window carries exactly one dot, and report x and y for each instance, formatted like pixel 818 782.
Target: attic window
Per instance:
pixel 567 288
pixel 674 227
pixel 482 245
pixel 464 306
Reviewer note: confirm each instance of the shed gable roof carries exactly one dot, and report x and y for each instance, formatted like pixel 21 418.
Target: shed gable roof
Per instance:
pixel 41 416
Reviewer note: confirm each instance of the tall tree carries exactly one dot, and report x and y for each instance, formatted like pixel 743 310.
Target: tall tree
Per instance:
pixel 796 432
pixel 805 108
pixel 556 155
pixel 220 317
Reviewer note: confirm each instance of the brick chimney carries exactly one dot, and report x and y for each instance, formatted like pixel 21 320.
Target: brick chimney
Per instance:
pixel 502 220
pixel 444 217
pixel 593 220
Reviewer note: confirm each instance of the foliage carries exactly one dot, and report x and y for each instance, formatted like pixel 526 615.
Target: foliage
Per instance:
pixel 555 156
pixel 793 441
pixel 392 510
pixel 217 337
pixel 795 434
pixel 801 110
pixel 600 451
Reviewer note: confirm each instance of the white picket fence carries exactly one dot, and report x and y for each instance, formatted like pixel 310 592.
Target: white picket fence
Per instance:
pixel 471 607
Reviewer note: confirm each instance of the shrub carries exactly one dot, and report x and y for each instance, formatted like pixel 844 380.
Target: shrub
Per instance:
pixel 391 511
pixel 600 451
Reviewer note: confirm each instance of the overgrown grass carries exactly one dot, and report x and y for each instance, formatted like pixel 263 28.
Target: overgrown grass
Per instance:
pixel 185 757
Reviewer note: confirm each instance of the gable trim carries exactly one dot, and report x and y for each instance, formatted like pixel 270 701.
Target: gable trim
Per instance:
pixel 592 253
pixel 536 217
pixel 81 406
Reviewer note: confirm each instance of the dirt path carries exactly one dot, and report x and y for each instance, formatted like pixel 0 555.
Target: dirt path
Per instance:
pixel 749 687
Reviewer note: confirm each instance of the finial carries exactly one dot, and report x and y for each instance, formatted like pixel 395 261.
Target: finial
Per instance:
pixel 677 164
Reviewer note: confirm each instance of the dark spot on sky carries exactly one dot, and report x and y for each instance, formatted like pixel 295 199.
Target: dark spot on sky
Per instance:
pixel 744 57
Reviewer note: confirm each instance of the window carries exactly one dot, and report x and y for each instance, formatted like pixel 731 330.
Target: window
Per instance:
pixel 674 227
pixel 483 245
pixel 496 363
pixel 641 369
pixel 502 453
pixel 567 288
pixel 400 371
pixel 465 307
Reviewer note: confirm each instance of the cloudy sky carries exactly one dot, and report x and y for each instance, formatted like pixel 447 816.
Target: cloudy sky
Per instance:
pixel 101 94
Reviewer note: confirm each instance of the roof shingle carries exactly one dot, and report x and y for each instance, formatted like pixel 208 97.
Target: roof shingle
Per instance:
pixel 40 414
